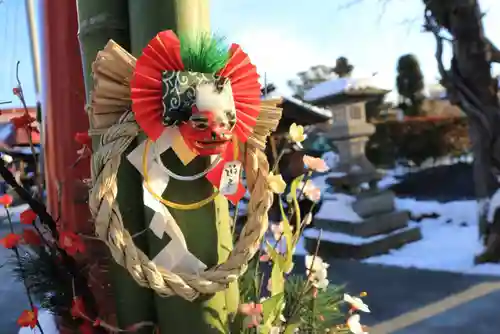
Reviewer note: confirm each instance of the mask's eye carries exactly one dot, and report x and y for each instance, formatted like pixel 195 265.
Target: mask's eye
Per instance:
pixel 199 122
pixel 200 126
pixel 231 117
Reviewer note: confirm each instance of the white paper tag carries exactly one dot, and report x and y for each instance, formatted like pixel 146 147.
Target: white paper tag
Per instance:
pixel 230 178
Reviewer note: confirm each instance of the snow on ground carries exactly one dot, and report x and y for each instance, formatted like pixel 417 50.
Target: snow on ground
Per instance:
pixel 338 207
pixel 345 238
pixel 47 323
pixel 387 181
pixel 457 212
pixel 449 242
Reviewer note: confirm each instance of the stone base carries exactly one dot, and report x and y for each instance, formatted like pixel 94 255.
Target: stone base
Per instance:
pixel 349 180
pixel 366 249
pixel 374 202
pixel 375 225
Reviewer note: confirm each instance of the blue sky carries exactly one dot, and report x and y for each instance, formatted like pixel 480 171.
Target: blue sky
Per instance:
pixel 284 37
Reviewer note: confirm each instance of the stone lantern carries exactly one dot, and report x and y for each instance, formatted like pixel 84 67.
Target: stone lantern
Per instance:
pixel 379 227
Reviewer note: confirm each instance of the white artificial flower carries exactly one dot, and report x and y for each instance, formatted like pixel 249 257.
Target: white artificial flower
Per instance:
pixel 356 303
pixel 321 274
pixel 311 191
pixel 275 330
pixel 318 264
pixel 317 271
pixel 354 325
pixel 7 158
pixel 321 284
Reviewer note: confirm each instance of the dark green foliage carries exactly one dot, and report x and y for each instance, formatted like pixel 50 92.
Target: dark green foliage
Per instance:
pixel 248 284
pixel 50 284
pixel 410 84
pixel 417 140
pixel 342 67
pixel 316 314
pixel 204 54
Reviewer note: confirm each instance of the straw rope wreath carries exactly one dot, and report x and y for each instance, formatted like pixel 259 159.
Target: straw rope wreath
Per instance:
pixel 111 118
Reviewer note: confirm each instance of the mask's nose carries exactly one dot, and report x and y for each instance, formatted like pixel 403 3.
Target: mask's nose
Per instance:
pixel 214 135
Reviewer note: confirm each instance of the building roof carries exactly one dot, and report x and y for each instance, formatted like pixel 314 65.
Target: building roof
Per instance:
pixel 301 113
pixel 11 137
pixel 344 87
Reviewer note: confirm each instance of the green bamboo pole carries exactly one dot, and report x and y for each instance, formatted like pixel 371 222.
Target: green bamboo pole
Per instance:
pixel 207 230
pixel 100 21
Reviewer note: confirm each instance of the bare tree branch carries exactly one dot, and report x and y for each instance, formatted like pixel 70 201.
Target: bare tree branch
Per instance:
pixel 495 52
pixel 458 91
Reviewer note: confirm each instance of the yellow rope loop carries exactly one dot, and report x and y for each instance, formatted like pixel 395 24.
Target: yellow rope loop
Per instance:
pixel 110 229
pixel 178 206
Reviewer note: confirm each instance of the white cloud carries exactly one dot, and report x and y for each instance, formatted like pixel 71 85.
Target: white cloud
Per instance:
pixel 280 54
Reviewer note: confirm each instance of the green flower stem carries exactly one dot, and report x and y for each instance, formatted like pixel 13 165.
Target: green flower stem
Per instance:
pixel 292 210
pixel 278 159
pixel 23 274
pixel 307 284
pixel 313 311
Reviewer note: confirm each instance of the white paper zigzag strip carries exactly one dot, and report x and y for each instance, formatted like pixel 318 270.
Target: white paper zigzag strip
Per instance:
pixel 175 255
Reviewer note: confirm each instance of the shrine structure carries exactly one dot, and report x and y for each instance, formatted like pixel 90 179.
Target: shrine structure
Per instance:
pixel 376 225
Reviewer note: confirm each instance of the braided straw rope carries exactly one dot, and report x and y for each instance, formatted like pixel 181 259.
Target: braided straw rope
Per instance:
pixel 110 229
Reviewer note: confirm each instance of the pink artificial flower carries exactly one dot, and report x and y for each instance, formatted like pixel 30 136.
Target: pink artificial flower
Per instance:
pixel 315 164
pixel 253 314
pixel 312 192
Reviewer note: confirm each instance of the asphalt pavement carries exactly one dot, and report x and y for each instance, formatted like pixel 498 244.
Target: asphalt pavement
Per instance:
pixel 394 294
pixel 13 298
pixel 413 301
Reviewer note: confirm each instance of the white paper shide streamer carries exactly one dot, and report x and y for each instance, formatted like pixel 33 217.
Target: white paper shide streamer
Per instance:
pixel 175 255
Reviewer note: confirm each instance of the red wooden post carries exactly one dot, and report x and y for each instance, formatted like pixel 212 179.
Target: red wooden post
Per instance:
pixel 64 111
pixel 64 115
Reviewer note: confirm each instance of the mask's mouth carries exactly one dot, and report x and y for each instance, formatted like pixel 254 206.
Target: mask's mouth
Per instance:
pixel 210 144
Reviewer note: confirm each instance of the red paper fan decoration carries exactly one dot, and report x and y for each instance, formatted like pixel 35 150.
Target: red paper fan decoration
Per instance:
pixel 246 90
pixel 161 54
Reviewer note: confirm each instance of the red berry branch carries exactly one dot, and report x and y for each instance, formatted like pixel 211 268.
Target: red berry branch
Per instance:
pixel 60 249
pixel 62 245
